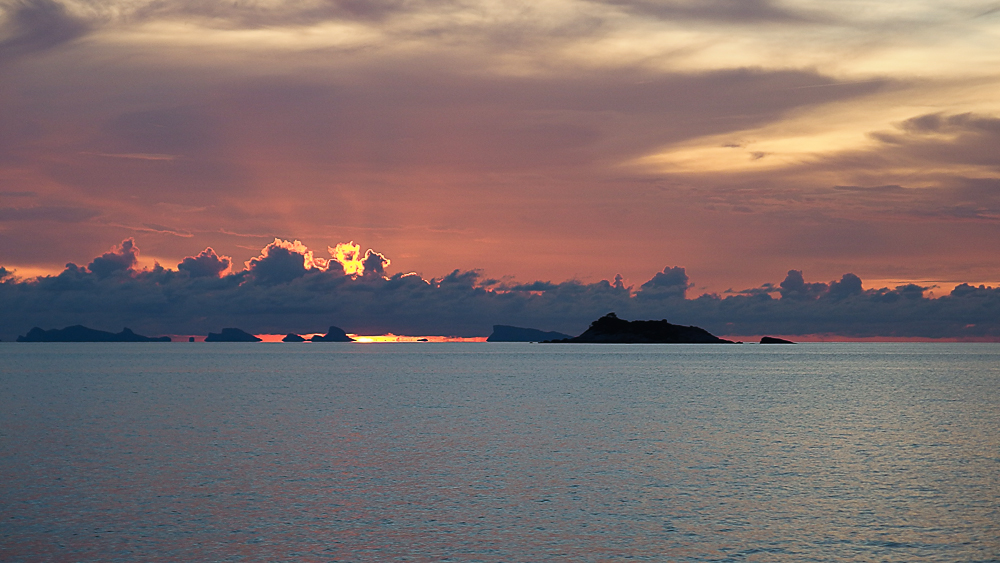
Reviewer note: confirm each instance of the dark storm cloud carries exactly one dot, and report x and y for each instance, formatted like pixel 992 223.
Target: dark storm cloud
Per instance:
pixel 279 294
pixel 36 25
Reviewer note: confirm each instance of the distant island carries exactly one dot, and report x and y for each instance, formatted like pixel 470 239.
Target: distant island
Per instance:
pixel 609 329
pixel 773 340
pixel 80 333
pixel 334 334
pixel 505 333
pixel 231 335
pixel 292 337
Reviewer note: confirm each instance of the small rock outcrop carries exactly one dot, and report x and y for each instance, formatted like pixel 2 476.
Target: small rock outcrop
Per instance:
pixel 231 335
pixel 335 334
pixel 505 333
pixel 80 333
pixel 773 340
pixel 292 337
pixel 609 329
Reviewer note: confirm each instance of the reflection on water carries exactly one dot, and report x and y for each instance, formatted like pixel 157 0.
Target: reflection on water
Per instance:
pixel 500 452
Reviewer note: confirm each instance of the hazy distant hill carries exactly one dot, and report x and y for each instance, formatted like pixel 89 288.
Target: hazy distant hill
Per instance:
pixel 80 333
pixel 505 333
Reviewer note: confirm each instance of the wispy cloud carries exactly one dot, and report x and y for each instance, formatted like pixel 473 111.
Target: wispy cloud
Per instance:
pixel 136 156
pixel 53 213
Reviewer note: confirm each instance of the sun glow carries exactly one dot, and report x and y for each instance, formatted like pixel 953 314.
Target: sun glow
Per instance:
pixel 349 256
pixel 381 338
pixel 390 337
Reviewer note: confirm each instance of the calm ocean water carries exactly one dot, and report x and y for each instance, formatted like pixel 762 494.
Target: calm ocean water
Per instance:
pixel 499 452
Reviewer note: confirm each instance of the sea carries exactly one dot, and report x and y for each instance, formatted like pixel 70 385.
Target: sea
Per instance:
pixel 490 452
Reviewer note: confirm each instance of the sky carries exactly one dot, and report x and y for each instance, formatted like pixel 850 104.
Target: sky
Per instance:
pixel 558 142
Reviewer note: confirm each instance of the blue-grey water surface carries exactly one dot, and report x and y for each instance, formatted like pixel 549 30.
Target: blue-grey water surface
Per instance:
pixel 499 452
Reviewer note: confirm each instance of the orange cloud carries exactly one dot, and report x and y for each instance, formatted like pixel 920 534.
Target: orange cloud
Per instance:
pixel 348 255
pixel 309 262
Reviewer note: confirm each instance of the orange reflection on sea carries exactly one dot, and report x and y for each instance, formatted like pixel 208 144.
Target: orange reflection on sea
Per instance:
pixel 377 338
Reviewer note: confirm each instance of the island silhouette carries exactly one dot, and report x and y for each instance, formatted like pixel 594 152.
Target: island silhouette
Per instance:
pixel 231 335
pixel 609 329
pixel 334 334
pixel 774 340
pixel 506 333
pixel 80 333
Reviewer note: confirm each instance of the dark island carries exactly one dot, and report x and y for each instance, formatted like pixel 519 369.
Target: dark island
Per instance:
pixel 292 337
pixel 231 335
pixel 773 340
pixel 335 334
pixel 609 329
pixel 505 333
pixel 80 333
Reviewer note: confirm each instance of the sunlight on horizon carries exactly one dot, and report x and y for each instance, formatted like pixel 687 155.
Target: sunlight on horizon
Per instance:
pixel 380 338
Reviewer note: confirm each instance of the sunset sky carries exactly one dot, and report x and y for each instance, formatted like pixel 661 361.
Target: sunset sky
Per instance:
pixel 555 140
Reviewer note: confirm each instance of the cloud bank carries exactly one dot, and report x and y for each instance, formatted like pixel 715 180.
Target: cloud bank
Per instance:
pixel 286 288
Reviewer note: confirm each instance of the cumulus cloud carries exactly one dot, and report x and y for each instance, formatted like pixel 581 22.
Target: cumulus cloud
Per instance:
pixel 283 261
pixel 848 285
pixel 348 255
pixel 374 263
pixel 794 286
pixel 121 259
pixel 286 289
pixel 206 263
pixel 671 282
